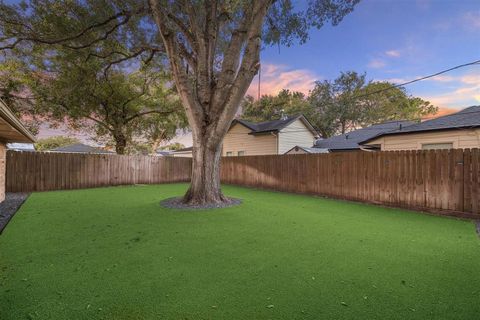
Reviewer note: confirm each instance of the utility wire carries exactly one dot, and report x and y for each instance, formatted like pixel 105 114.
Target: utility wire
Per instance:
pixel 477 62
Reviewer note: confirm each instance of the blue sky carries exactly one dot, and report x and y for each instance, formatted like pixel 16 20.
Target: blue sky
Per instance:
pixel 395 40
pixel 389 40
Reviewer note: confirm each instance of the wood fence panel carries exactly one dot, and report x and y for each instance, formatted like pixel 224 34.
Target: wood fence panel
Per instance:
pixel 430 179
pixel 43 171
pixel 434 179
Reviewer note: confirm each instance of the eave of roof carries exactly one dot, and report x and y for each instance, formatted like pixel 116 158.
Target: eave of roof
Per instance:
pixel 13 121
pixel 351 140
pixel 424 126
pixel 395 133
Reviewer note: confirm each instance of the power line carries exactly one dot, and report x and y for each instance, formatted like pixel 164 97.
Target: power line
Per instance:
pixel 477 62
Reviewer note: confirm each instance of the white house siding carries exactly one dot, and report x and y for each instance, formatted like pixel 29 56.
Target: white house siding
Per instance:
pixel 460 138
pixel 295 134
pixel 185 154
pixel 237 139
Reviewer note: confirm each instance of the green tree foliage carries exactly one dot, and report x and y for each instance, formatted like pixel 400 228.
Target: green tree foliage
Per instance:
pixel 340 105
pixel 272 107
pixel 173 146
pixel 50 143
pixel 383 101
pixel 336 101
pixel 118 96
pixel 212 47
pixel 14 91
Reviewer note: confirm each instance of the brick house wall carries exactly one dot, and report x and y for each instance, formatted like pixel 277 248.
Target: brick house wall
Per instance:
pixel 3 151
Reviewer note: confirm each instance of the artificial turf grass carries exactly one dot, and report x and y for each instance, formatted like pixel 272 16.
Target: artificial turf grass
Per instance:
pixel 114 253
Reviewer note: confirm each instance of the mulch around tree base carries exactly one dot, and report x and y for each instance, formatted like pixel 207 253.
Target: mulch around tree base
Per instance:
pixel 11 204
pixel 177 203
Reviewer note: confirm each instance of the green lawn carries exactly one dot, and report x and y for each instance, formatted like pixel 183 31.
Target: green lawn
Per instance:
pixel 114 253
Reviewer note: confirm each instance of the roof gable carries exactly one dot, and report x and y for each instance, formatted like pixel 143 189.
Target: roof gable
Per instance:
pixel 274 125
pixel 305 123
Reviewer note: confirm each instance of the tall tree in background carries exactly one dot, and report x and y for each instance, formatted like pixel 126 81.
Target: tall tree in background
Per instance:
pixel 114 107
pixel 383 101
pixel 101 87
pixel 54 142
pixel 340 105
pixel 213 48
pixel 271 107
pixel 335 102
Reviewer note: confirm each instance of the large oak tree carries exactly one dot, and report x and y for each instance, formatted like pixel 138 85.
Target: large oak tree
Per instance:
pixel 337 106
pixel 213 48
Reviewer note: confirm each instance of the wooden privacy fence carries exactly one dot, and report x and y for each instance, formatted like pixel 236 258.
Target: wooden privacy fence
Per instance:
pixel 434 179
pixel 43 171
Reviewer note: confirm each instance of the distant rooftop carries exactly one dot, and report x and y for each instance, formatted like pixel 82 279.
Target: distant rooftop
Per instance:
pixel 309 150
pixel 466 118
pixel 21 146
pixel 80 148
pixel 183 149
pixel 351 140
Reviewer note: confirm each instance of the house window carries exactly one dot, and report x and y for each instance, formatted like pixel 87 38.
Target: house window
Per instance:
pixel 240 153
pixel 437 146
pixel 229 153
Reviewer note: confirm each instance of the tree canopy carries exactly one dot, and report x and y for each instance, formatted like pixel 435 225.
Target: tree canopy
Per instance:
pixel 340 105
pixel 98 88
pixel 50 143
pixel 212 47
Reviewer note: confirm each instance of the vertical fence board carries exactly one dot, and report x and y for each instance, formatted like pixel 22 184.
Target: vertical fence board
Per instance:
pixel 441 179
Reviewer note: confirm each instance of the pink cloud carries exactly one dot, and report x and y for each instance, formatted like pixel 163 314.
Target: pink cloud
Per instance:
pixel 465 94
pixel 274 78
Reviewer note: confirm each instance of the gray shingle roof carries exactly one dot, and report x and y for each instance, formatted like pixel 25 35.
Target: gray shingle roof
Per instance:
pixel 309 150
pixel 80 148
pixel 466 118
pixel 351 140
pixel 269 126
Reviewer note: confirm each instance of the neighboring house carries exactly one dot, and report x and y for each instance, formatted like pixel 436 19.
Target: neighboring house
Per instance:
pixel 11 130
pixel 182 153
pixel 80 148
pixel 305 150
pixel 21 146
pixel 351 141
pixel 269 137
pixel 163 153
pixel 459 130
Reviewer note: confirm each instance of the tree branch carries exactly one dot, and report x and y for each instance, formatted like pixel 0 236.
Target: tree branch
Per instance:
pixel 35 38
pixel 184 86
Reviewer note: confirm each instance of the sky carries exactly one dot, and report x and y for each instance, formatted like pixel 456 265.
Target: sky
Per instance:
pixel 394 40
pixel 389 40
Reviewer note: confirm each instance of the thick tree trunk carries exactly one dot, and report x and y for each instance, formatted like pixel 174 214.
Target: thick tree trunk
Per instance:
pixel 210 98
pixel 205 182
pixel 120 144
